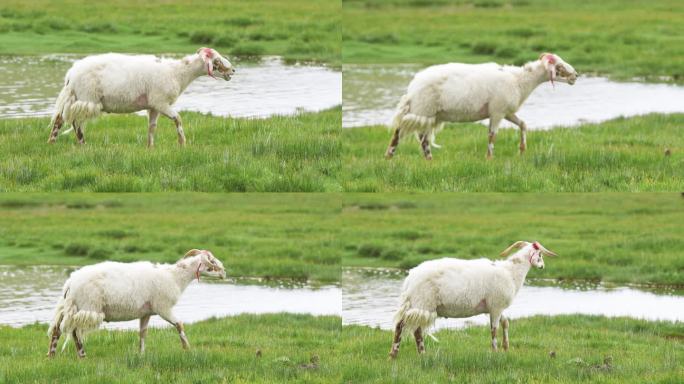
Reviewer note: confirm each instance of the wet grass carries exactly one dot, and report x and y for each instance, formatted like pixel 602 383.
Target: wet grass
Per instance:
pixel 222 351
pixel 615 237
pixel 298 30
pixel 643 153
pixel 586 349
pixel 613 38
pixel 266 235
pixel 282 153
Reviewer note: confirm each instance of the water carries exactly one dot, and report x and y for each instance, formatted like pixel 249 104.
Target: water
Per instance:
pixel 29 86
pixel 29 295
pixel 371 92
pixel 370 297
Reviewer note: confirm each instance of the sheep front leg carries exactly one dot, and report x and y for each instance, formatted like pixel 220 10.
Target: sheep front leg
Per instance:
pixel 523 130
pixel 59 121
pixel 152 116
pixel 420 344
pixel 79 345
pixel 493 127
pixel 179 327
pixel 494 324
pixel 504 324
pixel 173 115
pixel 393 145
pixel 143 331
pixel 397 340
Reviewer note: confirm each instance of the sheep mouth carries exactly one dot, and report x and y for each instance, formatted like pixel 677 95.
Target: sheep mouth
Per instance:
pixel 214 274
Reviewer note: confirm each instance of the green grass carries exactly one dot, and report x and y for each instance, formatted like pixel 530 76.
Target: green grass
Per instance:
pixel 616 237
pixel 297 30
pixel 618 155
pixel 639 351
pixel 222 351
pixel 616 38
pixel 283 153
pixel 268 235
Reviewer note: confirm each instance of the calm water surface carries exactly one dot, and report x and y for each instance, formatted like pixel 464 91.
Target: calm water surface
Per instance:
pixel 29 86
pixel 370 297
pixel 29 295
pixel 371 92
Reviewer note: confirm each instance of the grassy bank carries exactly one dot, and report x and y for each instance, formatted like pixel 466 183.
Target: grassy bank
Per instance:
pixel 252 234
pixel 624 238
pixel 222 351
pixel 297 30
pixel 587 349
pixel 282 153
pixel 618 155
pixel 623 40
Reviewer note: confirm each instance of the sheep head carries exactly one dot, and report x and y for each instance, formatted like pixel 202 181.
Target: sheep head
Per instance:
pixel 555 66
pixel 532 252
pixel 215 62
pixel 208 264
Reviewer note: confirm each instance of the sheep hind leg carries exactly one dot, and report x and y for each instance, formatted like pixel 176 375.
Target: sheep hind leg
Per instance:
pixel 78 130
pixel 393 144
pixel 425 144
pixel 54 339
pixel 420 343
pixel 523 131
pixel 143 331
pixel 79 345
pixel 504 325
pixel 59 121
pixel 397 340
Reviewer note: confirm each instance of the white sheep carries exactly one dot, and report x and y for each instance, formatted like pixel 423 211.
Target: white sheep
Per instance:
pixel 120 83
pixel 470 92
pixel 112 291
pixel 456 288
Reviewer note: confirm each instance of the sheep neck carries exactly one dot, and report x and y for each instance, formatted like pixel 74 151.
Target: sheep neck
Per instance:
pixel 185 271
pixel 190 69
pixel 531 79
pixel 518 267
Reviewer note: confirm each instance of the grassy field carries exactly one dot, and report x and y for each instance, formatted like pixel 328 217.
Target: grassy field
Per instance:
pixel 618 155
pixel 222 351
pixel 283 153
pixel 297 30
pixel 270 235
pixel 615 38
pixel 616 237
pixel 587 349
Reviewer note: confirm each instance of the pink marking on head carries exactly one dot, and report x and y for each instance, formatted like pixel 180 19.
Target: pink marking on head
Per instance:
pixel 208 52
pixel 535 245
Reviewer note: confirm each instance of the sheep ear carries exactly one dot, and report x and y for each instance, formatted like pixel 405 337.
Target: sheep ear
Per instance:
pixel 192 252
pixel 517 245
pixel 549 61
pixel 207 55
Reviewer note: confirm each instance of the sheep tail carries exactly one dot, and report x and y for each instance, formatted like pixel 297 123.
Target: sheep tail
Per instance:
pixel 74 319
pixel 410 123
pixel 71 109
pixel 414 318
pixel 403 108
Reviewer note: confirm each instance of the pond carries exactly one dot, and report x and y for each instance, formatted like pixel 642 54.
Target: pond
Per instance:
pixel 30 294
pixel 370 297
pixel 29 86
pixel 371 92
